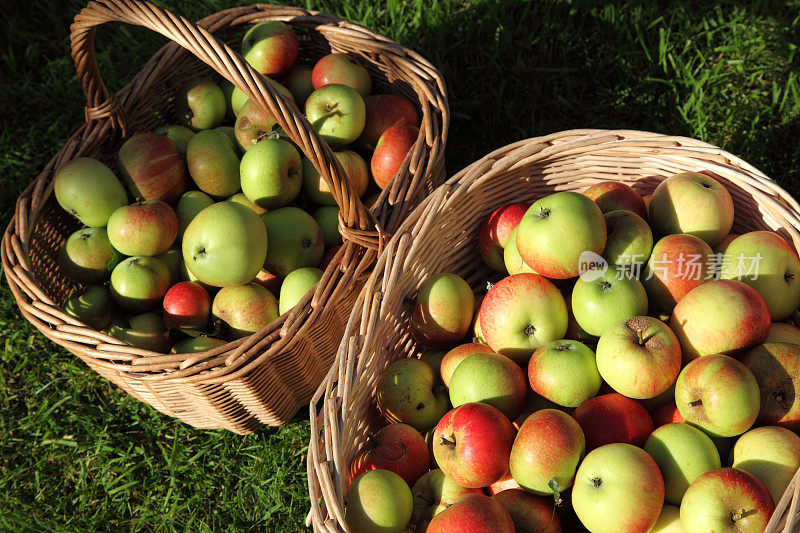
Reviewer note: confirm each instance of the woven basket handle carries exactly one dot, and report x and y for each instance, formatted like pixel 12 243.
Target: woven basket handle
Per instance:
pixel 356 222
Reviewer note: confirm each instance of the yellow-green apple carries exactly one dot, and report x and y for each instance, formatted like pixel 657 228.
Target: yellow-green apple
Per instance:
pixel 511 259
pixel 139 283
pixel 520 313
pixel 669 521
pixel 271 173
pixel 295 240
pixel 433 493
pixel 453 358
pixel 145 228
pixel 296 286
pixel 152 167
pixel 718 394
pixel 145 331
pixel 179 135
pixel 344 70
pixel 476 513
pixel 200 104
pixel 317 189
pixel 238 98
pixel 398 448
pixel 601 299
pixel 529 512
pixel 678 264
pixel 472 444
pixel 382 112
pixel 186 305
pixel 391 150
pixel 564 372
pixel 270 47
pixel 225 245
pixel 726 499
pixel 434 359
pixel 196 344
pixel 629 239
pixel 720 306
pixel 692 203
pixel 442 311
pixel 611 418
pixel 770 453
pixel 490 378
pixel 546 452
pixel 91 305
pixel 408 391
pixel 245 309
pixel 327 218
pixel 682 453
pixel 556 230
pixel 298 81
pixel 504 483
pixel 776 367
pixel 240 198
pixel 618 489
pixel 574 331
pixel 495 231
pixel 254 124
pixel 378 500
pixel 666 413
pixel 639 358
pixel 87 255
pixel 337 112
pixel 89 190
pixel 783 332
pixel 189 205
pixel 213 163
pixel 615 195
pixel 766 262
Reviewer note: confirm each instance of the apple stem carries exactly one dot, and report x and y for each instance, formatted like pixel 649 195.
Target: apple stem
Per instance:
pixel 743 514
pixel 332 111
pixel 448 442
pixel 641 337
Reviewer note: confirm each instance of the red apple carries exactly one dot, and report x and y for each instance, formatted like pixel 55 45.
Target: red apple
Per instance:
pixel 678 264
pixel 666 414
pixel 343 70
pixel 504 483
pixel 454 357
pixel 530 512
pixel 475 513
pixel 472 444
pixel 495 231
pixel 776 367
pixel 613 418
pixel 269 281
pixel 398 448
pixel 152 167
pixel 143 228
pixel 186 305
pixel 383 112
pixel 433 493
pixel 615 195
pixel 271 47
pixel 391 150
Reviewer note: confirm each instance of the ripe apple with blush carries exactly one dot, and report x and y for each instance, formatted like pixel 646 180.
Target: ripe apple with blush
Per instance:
pixel 613 418
pixel 88 256
pixel 384 111
pixel 666 414
pixel 776 367
pixel 615 195
pixel 378 500
pixel 678 264
pixel 344 70
pixel 245 309
pixel 476 513
pixel 442 311
pixel 270 47
pixel 186 305
pixel 146 228
pixel 433 493
pixel 495 232
pixel 152 167
pixel 391 150
pixel 398 448
pixel 530 512
pixel 564 372
pixel 453 358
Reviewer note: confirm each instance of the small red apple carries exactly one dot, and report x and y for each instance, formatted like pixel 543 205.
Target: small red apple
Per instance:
pixel 613 418
pixel 666 414
pixel 614 195
pixel 383 112
pixel 397 447
pixel 343 70
pixel 186 305
pixel 495 231
pixel 473 513
pixel 391 150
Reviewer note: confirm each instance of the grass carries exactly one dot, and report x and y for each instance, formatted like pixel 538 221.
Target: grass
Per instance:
pixel 77 454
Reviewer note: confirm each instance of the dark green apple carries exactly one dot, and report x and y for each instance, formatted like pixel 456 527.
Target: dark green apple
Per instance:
pixel 189 205
pixel 91 306
pixel 146 331
pixel 327 218
pixel 295 240
pixel 196 344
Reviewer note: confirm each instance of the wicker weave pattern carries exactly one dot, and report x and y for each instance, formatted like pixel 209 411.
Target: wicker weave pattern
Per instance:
pixel 441 236
pixel 266 377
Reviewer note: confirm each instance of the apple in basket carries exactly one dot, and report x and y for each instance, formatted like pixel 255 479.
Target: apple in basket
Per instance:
pixel 179 135
pixel 238 98
pixel 378 500
pixel 495 232
pixel 782 332
pixel 476 513
pixel 316 188
pixel 390 151
pixel 89 190
pixel 327 217
pixel 615 195
pixel 564 372
pixel 253 124
pixel 145 331
pixel 397 447
pixel 677 264
pixel 770 453
pixel 271 174
pixel 152 167
pixel 271 47
pixel 213 163
pixel 295 240
pixel 529 512
pixel 433 493
pixel 337 112
pixel 490 378
pixel 298 81
pixel 629 239
pixel 408 391
pixel 245 309
pixel 344 70
pixel 240 198
pixel 139 283
pixel 442 311
pixel 91 306
pixel 196 344
pixel 200 104
pixel 602 298
pixel 296 286
pixel 186 305
pixel 611 418
pixel 87 256
pixel 453 358
pixel 776 367
pixel 382 112
pixel 189 206
pixel 146 228
pixel 512 261
pixel 669 521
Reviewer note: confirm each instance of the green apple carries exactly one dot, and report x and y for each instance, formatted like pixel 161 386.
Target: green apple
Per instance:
pixel 240 198
pixel 669 521
pixel 718 394
pixel 629 241
pixel 433 493
pixel 295 240
pixel 196 344
pixel 564 372
pixel 254 124
pixel 89 190
pixel 238 98
pixel 245 309
pixel 770 453
pixel 327 218
pixel 766 262
pixel 511 258
pixel 189 205
pixel 143 228
pixel 337 112
pixel 683 453
pixel 145 331
pixel 601 299
pixel 270 47
pixel 225 245
pixel 618 488
pixel 271 173
pixel 408 391
pixel 442 311
pixel 489 378
pixel 556 230
pixel 213 163
pixel 298 81
pixel 92 306
pixel 296 285
pixel 200 104
pixel 230 133
pixel 639 358
pixel 173 259
pixel 87 256
pixel 378 500
pixel 179 135
pixel 454 357
pixel 139 283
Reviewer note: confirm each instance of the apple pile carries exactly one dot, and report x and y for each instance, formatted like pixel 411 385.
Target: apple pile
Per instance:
pixel 614 382
pixel 230 225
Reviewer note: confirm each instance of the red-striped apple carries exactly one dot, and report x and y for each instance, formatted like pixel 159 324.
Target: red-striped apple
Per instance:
pixel 615 195
pixel 495 232
pixel 398 448
pixel 613 418
pixel 152 167
pixel 476 513
pixel 530 512
pixel 678 264
pixel 270 47
pixel 245 309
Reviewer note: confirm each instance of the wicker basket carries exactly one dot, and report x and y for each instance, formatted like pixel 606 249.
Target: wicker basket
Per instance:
pixel 441 236
pixel 267 377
